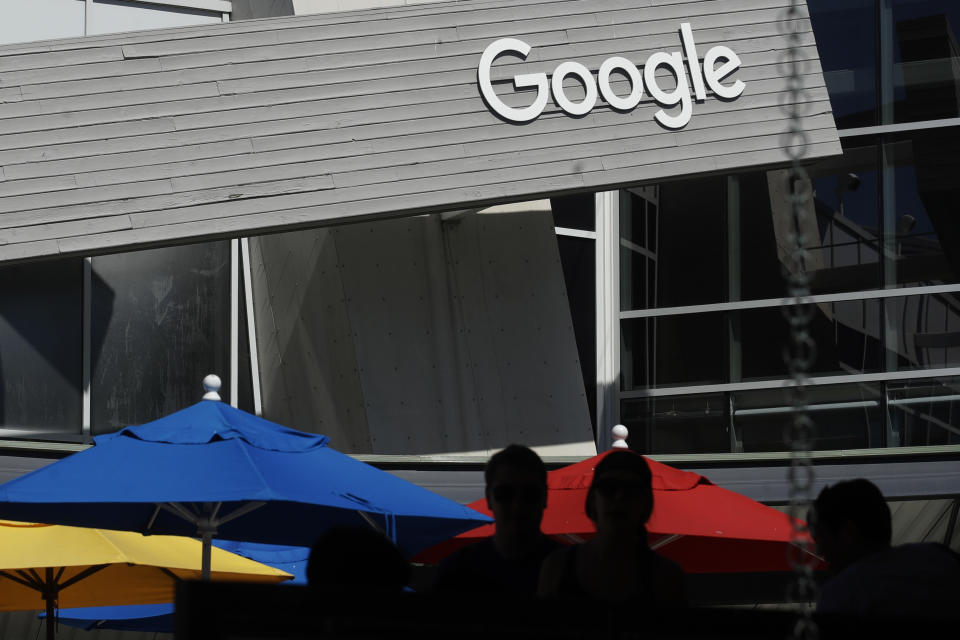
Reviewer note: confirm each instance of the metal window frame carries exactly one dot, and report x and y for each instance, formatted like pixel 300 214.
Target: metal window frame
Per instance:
pixel 665 392
pixel 766 303
pixel 251 325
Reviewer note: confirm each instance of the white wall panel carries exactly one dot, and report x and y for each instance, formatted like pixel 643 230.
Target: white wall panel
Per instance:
pixel 421 336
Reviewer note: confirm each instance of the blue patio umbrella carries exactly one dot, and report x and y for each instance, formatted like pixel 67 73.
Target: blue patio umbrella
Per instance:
pixel 214 471
pixel 159 617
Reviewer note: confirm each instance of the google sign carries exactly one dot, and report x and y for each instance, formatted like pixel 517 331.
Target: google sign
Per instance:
pixel 718 64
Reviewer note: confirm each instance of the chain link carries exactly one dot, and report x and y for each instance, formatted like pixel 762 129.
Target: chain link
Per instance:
pixel 801 351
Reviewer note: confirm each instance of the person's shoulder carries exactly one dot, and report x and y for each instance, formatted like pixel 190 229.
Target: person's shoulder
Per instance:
pixel 463 567
pixel 548 545
pixel 664 565
pixel 471 553
pixel 670 581
pixel 553 570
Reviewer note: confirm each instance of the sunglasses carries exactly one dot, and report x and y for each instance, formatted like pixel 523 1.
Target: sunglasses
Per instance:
pixel 529 493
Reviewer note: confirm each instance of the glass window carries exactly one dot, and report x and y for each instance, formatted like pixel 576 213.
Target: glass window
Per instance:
pixel 922 211
pixel 638 248
pixel 846 417
pixel 847 336
pixel 846 194
pixel 926 59
pixel 924 331
pixel 575 212
pixel 578 259
pixel 41 348
pixel 675 350
pixel 685 424
pixel 924 412
pixel 847 42
pixel 672 249
pixel 842 239
pixel 160 322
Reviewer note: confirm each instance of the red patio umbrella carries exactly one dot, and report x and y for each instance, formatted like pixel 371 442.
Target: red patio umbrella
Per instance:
pixel 703 527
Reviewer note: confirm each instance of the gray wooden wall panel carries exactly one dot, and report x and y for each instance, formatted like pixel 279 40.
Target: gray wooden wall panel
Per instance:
pixel 122 141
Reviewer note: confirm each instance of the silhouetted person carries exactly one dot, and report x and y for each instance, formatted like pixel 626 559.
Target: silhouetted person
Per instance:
pixel 356 558
pixel 850 523
pixel 617 564
pixel 509 562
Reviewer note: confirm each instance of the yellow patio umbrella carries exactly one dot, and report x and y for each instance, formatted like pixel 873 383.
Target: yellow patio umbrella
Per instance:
pixel 46 566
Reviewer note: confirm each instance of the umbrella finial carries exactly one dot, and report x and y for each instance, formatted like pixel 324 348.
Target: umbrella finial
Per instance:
pixel 211 384
pixel 620 434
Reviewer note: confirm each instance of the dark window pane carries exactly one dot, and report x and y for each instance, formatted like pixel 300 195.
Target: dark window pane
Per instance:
pixel 757 266
pixel 575 212
pixel 685 424
pixel 847 335
pixel 673 351
pixel 845 416
pixel 691 252
pixel 847 42
pixel 842 237
pixel 578 259
pixel 926 64
pixel 925 331
pixel 160 322
pixel 924 412
pixel 924 218
pixel 846 201
pixel 41 348
pixel 638 249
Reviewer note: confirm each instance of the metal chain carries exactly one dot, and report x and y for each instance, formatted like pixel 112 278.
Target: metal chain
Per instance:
pixel 801 351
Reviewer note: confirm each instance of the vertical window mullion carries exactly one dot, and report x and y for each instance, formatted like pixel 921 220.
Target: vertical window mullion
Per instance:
pixel 87 364
pixel 251 326
pixel 234 321
pixel 608 314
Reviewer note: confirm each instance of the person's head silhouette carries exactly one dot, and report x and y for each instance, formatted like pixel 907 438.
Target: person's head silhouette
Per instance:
pixel 848 521
pixel 356 558
pixel 620 498
pixel 516 492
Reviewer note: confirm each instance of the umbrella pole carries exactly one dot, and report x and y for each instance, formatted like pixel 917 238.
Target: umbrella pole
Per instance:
pixel 49 621
pixel 48 597
pixel 207 538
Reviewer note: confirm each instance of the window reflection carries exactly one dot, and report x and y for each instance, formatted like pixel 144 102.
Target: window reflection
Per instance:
pixel 847 336
pixel 639 211
pixel 674 350
pixel 687 424
pixel 924 331
pixel 41 352
pixel 671 244
pixel 847 43
pixel 846 417
pixel 161 322
pixel 846 196
pixel 926 60
pixel 925 412
pixel 922 209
